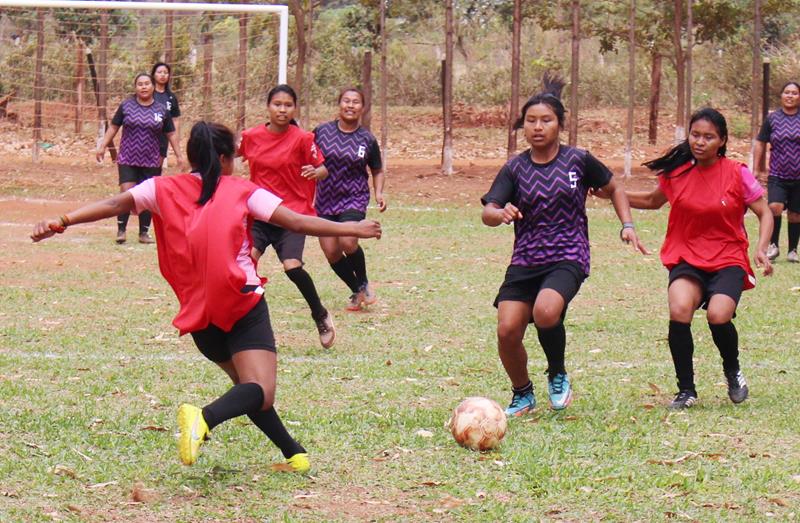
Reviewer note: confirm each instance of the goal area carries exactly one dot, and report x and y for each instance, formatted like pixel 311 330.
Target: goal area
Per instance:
pixel 67 64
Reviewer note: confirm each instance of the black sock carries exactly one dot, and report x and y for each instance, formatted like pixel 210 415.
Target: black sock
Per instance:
pixel 727 341
pixel 776 229
pixel 553 341
pixel 122 221
pixel 144 222
pixel 794 235
pixel 359 264
pixel 271 425
pixel 525 389
pixel 243 398
pixel 344 271
pixel 681 345
pixel 305 284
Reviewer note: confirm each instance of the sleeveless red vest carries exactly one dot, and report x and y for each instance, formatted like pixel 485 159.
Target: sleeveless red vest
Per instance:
pixel 198 246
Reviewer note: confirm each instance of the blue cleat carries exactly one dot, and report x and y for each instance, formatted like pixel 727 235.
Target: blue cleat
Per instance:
pixel 560 391
pixel 521 403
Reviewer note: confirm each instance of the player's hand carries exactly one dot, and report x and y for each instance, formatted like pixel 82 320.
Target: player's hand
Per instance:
pixel 46 228
pixel 368 229
pixel 183 165
pixel 762 261
pixel 99 154
pixel 381 201
pixel 509 213
pixel 600 193
pixel 761 175
pixel 309 172
pixel 628 235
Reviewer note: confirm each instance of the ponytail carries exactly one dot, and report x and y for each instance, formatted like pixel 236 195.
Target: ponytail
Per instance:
pixel 207 141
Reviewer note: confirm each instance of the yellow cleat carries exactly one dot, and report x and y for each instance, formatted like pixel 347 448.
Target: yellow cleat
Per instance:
pixel 194 431
pixel 299 462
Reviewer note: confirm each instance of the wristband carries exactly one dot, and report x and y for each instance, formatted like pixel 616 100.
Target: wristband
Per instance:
pixel 625 225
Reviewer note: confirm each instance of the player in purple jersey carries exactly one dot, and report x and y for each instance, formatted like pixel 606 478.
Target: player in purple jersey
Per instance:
pixel 143 120
pixel 343 196
pixel 162 74
pixel 782 130
pixel 543 192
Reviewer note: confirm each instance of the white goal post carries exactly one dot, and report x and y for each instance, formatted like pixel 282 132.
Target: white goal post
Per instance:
pixel 282 10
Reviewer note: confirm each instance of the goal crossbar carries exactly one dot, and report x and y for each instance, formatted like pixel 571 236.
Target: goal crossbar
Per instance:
pixel 282 10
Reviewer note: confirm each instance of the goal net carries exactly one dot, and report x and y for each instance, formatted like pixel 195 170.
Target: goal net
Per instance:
pixel 67 64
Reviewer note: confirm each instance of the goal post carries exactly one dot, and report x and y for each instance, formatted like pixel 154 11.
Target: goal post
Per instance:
pixel 95 17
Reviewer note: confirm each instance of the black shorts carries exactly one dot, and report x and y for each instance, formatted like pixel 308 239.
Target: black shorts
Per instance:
pixel 728 281
pixel 252 331
pixel 134 174
pixel 783 191
pixel 287 244
pixel 350 215
pixel 524 283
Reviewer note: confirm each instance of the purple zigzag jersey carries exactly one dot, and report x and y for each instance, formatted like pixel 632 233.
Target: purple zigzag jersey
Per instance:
pixel 142 126
pixel 552 199
pixel 784 158
pixel 346 158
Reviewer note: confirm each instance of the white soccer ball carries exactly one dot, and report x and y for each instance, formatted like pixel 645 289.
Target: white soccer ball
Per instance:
pixel 478 423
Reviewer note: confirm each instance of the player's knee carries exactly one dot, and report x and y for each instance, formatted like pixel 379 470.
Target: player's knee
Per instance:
pixel 681 311
pixel 546 316
pixel 349 245
pixel 719 315
pixel 794 217
pixel 509 333
pixel 776 208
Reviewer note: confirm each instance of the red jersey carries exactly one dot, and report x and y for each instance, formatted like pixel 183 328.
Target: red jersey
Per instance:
pixel 706 218
pixel 275 160
pixel 198 246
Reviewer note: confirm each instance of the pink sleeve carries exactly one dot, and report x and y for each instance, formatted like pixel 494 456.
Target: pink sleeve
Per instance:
pixel 144 197
pixel 313 154
pixel 262 204
pixel 752 189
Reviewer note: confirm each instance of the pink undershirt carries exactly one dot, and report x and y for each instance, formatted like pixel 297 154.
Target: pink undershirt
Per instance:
pixel 261 205
pixel 752 189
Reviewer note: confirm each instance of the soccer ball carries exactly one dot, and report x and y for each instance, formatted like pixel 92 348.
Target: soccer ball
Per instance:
pixel 478 423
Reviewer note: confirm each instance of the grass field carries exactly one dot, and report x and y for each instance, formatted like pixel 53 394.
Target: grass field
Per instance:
pixel 92 372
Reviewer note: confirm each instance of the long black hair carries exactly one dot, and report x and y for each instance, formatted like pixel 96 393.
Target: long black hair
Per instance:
pixel 153 73
pixel 207 141
pixel 283 88
pixel 682 153
pixel 550 96
pixel 787 84
pixel 136 78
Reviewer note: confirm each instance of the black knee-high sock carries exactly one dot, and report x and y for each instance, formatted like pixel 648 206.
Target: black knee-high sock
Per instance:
pixel 271 425
pixel 794 235
pixel 681 345
pixel 243 398
pixel 554 342
pixel 144 222
pixel 344 271
pixel 305 284
pixel 727 341
pixel 776 229
pixel 359 264
pixel 122 221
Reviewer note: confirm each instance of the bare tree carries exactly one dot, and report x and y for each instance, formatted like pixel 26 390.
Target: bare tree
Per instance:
pixel 38 84
pixel 655 94
pixel 573 87
pixel 447 91
pixel 241 93
pixel 208 65
pixel 631 86
pixel 305 95
pixel 689 45
pixel 680 68
pixel 755 81
pixel 384 84
pixel 366 87
pixel 80 78
pixel 513 108
pixel 169 46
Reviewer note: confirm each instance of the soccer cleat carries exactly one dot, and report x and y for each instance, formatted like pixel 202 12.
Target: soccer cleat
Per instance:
pixel 354 304
pixel 370 298
pixel 737 386
pixel 327 332
pixel 121 236
pixel 299 462
pixel 560 391
pixel 792 257
pixel 146 238
pixel 521 403
pixel 772 252
pixel 683 400
pixel 193 432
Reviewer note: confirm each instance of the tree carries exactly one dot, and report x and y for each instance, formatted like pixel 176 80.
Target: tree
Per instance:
pixel 515 59
pixel 447 92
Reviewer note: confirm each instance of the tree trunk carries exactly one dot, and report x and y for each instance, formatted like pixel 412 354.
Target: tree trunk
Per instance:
pixel 655 96
pixel 689 45
pixel 755 80
pixel 305 97
pixel 384 87
pixel 102 84
pixel 366 88
pixel 208 67
pixel 447 92
pixel 296 8
pixel 38 84
pixel 513 107
pixel 680 68
pixel 631 87
pixel 241 92
pixel 80 78
pixel 169 52
pixel 574 70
